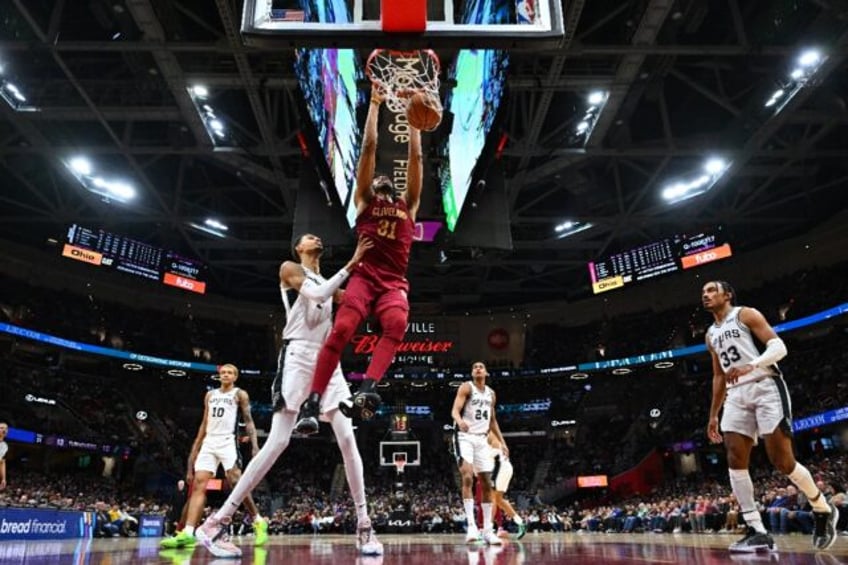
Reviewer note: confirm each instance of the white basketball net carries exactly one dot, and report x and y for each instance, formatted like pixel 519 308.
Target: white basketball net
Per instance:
pixel 396 73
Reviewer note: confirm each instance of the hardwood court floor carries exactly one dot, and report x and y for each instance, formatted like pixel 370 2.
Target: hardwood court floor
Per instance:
pixel 419 549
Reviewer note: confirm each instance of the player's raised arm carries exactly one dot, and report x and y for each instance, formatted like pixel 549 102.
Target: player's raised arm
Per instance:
pixel 414 173
pixel 368 155
pixel 293 276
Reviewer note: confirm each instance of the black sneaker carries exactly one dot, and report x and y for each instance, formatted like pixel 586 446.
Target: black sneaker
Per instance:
pixel 753 542
pixel 307 423
pixel 824 534
pixel 364 402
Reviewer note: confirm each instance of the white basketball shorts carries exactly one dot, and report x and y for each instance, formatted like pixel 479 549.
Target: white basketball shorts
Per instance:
pixel 214 452
pixel 758 408
pixel 298 369
pixel 474 448
pixel 502 473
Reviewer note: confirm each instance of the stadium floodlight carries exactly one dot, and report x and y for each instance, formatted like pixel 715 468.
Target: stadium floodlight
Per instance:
pixel 810 58
pixel 569 228
pixel 215 224
pixel 81 166
pixel 713 169
pixel 595 98
pixel 582 126
pixel 208 229
pixel 122 190
pixel 15 91
pixel 108 189
pixel 200 91
pixel 715 166
pixel 796 74
pixel 216 127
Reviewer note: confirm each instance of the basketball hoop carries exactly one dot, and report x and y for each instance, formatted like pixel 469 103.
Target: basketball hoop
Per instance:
pixel 395 74
pixel 400 462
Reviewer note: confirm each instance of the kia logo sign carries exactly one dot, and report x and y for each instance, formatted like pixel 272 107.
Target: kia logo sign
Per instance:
pixel 498 339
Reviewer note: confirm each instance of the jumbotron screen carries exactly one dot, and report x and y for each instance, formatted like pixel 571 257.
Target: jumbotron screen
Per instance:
pixel 106 249
pixel 658 258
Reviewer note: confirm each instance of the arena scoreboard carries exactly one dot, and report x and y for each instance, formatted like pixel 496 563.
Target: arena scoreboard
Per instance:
pixel 658 258
pixel 120 253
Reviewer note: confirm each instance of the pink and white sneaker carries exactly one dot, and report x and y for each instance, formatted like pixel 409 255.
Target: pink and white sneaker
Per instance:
pixel 366 540
pixel 214 536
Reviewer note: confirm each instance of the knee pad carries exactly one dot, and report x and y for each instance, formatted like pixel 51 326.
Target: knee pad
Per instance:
pixel 393 322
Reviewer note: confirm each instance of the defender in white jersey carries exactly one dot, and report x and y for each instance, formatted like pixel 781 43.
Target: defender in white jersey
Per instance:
pixel 308 299
pixel 474 417
pixel 756 405
pixel 501 477
pixel 216 445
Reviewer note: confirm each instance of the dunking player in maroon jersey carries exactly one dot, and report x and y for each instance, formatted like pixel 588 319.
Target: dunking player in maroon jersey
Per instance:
pixel 378 285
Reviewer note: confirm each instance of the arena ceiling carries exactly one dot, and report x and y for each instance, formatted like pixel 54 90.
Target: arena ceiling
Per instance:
pixel 687 80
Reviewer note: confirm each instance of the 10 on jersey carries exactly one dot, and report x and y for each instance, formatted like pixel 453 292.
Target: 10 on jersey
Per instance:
pixel 733 344
pixel 478 410
pixel 222 416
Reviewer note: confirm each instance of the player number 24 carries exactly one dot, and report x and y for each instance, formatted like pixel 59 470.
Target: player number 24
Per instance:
pixel 481 415
pixel 730 356
pixel 387 228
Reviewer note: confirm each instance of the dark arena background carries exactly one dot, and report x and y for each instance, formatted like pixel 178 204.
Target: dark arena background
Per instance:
pixel 589 177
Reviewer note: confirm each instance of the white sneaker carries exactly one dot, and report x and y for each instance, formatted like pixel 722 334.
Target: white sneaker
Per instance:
pixel 472 536
pixel 491 539
pixel 366 540
pixel 214 537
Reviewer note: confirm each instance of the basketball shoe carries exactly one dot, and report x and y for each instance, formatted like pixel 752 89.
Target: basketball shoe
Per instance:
pixel 490 538
pixel 472 535
pixel 182 539
pixel 753 542
pixel 307 422
pixel 214 536
pixel 366 540
pixel 260 529
pixel 365 402
pixel 825 534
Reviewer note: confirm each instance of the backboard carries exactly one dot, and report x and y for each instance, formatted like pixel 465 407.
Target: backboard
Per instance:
pixel 390 451
pixel 459 24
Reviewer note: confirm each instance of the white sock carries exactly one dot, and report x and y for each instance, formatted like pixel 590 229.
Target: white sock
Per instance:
pixel 343 430
pixel 189 530
pixel 469 513
pixel 743 490
pixel 282 424
pixel 487 516
pixel 802 478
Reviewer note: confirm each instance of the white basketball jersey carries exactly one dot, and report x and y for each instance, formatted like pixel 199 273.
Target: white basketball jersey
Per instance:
pixel 478 409
pixel 734 345
pixel 222 417
pixel 4 449
pixel 305 319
